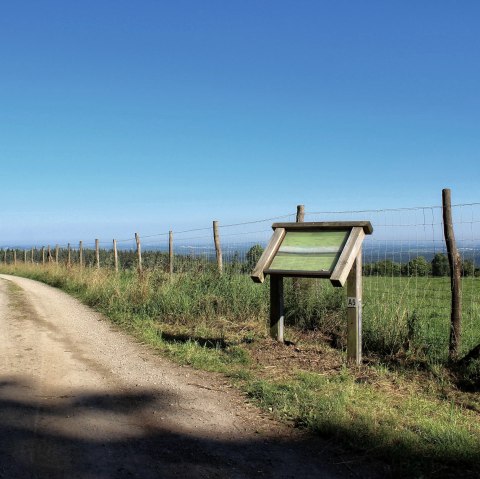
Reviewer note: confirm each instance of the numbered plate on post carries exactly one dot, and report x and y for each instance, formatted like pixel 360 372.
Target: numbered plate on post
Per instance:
pixel 352 302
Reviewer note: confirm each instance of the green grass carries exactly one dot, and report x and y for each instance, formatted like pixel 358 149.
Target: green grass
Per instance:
pixel 414 419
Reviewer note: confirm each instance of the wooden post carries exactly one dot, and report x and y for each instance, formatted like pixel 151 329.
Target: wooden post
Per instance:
pixel 170 252
pixel 139 252
pixel 25 256
pixel 354 311
pixel 14 257
pixel 296 282
pixel 57 253
pixel 115 255
pixel 69 256
pixel 33 259
pixel 455 278
pixel 218 247
pixel 276 307
pixel 97 253
pixel 43 255
pixel 5 256
pixel 49 254
pixel 300 213
pixel 80 253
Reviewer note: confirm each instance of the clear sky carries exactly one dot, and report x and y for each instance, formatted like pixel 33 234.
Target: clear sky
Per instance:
pixel 122 116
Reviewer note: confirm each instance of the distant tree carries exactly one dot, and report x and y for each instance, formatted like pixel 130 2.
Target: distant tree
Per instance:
pixel 418 266
pixel 468 268
pixel 252 257
pixel 440 266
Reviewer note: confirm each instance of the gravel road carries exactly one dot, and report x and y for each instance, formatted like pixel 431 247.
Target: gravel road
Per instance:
pixel 81 399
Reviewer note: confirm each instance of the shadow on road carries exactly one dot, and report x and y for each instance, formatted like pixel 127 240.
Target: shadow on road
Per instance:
pixel 114 436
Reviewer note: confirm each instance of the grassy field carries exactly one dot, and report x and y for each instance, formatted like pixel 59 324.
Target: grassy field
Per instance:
pixel 403 405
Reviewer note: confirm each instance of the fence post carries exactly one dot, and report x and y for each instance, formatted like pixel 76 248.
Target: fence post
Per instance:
pixel 43 255
pixel 33 259
pixel 97 253
pixel 139 252
pixel 80 253
pixel 14 257
pixel 218 247
pixel 296 281
pixel 455 277
pixel 115 255
pixel 57 251
pixel 69 257
pixel 170 252
pixel 300 213
pixel 49 254
pixel 25 256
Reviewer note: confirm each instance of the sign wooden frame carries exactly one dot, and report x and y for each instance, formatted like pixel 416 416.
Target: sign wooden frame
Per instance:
pixel 345 266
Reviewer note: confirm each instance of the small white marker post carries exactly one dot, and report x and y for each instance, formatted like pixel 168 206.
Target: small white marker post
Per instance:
pixel 354 306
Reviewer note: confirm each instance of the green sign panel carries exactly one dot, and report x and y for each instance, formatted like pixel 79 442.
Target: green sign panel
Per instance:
pixel 309 251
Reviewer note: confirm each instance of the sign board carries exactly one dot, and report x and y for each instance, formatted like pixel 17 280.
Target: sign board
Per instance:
pixel 315 250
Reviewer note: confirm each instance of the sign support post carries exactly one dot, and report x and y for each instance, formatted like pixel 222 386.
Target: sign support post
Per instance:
pixel 354 314
pixel 277 314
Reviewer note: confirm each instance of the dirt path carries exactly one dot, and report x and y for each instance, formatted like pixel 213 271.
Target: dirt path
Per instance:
pixel 79 399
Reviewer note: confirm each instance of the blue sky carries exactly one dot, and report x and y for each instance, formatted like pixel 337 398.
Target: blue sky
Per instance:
pixel 121 116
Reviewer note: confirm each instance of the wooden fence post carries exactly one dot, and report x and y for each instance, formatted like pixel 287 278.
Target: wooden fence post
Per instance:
pixel 296 282
pixel 33 259
pixel 115 255
pixel 139 252
pixel 69 256
pixel 49 254
pixel 300 213
pixel 354 311
pixel 14 257
pixel 170 252
pixel 43 255
pixel 454 261
pixel 218 247
pixel 57 253
pixel 97 253
pixel 80 253
pixel 25 256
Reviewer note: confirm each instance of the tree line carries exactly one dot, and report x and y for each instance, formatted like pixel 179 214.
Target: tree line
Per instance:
pixel 419 266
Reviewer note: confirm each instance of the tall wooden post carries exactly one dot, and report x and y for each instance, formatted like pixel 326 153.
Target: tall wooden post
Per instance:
pixel 49 254
pixel 43 255
pixel 25 256
pixel 454 261
pixel 14 257
pixel 69 255
pixel 139 252
pixel 33 256
pixel 170 252
pixel 97 253
pixel 80 253
pixel 300 213
pixel 57 253
pixel 277 314
pixel 354 314
pixel 115 255
pixel 218 247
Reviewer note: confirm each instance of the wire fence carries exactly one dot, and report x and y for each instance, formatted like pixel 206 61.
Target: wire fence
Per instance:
pixel 407 290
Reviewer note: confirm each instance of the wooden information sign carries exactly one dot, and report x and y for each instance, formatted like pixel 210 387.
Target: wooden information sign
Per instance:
pixel 330 250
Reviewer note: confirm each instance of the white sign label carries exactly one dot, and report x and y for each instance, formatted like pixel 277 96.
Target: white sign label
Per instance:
pixel 351 302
